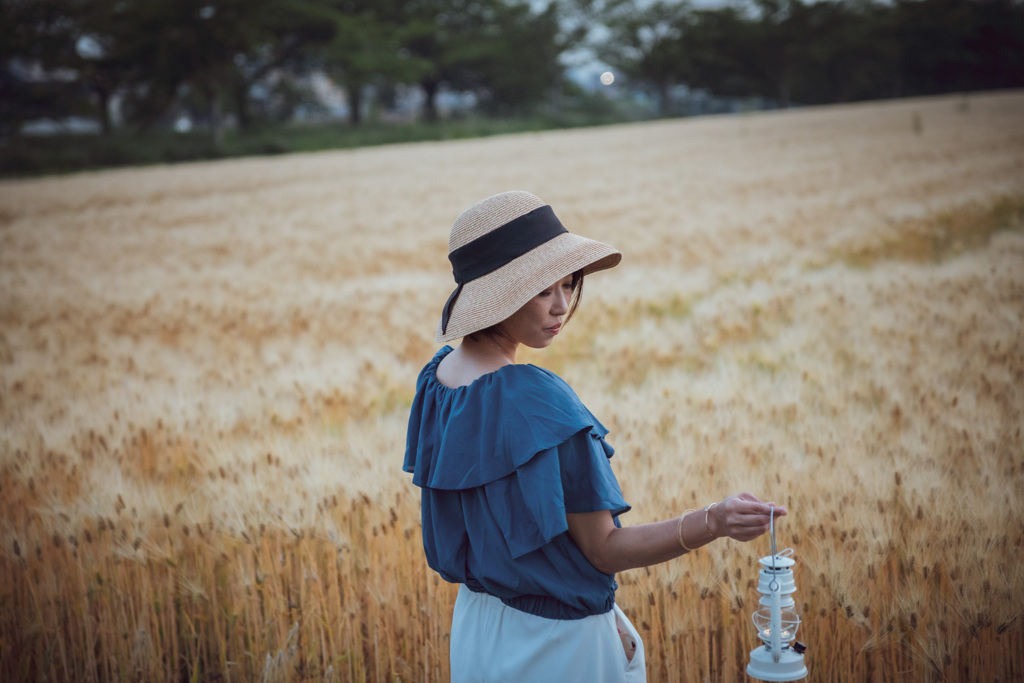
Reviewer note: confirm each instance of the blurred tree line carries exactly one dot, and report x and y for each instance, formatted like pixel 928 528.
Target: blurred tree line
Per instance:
pixel 243 58
pixel 807 52
pixel 61 58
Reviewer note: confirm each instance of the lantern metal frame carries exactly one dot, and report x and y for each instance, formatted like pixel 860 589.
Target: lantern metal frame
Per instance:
pixel 780 657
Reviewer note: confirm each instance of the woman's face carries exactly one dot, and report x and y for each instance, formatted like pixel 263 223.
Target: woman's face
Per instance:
pixel 537 322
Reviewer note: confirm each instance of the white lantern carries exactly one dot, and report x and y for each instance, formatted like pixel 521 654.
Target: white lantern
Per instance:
pixel 781 657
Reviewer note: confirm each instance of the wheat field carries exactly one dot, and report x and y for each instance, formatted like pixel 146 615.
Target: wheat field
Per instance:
pixel 205 372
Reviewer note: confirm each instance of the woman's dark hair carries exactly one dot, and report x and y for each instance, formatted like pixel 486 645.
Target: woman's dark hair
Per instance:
pixel 577 295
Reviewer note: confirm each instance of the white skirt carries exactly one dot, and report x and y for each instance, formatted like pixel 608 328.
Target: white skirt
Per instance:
pixel 493 642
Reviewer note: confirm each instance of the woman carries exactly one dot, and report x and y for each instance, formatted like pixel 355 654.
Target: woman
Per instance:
pixel 519 502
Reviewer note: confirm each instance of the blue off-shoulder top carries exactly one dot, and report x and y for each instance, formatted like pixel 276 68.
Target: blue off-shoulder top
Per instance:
pixel 500 462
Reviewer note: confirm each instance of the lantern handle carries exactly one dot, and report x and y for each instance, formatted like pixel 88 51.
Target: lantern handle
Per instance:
pixel 771 526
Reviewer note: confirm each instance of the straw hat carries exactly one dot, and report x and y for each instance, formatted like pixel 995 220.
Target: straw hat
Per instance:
pixel 504 251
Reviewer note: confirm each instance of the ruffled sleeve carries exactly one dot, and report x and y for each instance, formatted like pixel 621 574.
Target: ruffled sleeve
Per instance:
pixel 575 476
pixel 588 483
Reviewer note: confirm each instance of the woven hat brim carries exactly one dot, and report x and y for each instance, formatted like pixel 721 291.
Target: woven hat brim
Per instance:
pixel 494 297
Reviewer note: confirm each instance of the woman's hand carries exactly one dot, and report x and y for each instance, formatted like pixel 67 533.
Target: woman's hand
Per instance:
pixel 743 517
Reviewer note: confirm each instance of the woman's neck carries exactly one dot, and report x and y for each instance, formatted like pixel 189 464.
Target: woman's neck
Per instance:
pixel 473 359
pixel 492 346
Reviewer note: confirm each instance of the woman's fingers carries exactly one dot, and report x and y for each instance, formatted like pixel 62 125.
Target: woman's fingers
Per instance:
pixel 744 516
pixel 755 504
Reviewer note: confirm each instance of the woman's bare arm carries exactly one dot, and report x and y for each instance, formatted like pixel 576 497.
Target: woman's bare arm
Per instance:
pixel 742 517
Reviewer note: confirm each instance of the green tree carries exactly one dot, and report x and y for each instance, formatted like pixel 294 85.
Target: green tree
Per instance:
pixel 503 51
pixel 177 43
pixel 647 44
pixel 438 33
pixel 367 49
pixel 290 34
pixel 721 52
pixel 853 54
pixel 812 52
pixel 215 48
pixel 951 45
pixel 513 63
pixel 40 62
